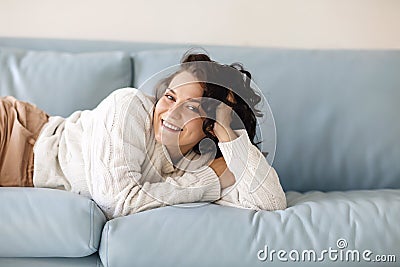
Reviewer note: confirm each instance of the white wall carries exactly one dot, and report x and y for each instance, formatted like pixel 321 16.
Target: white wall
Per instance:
pixel 283 23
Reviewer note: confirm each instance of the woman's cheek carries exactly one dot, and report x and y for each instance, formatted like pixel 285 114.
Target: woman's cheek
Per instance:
pixel 160 107
pixel 196 125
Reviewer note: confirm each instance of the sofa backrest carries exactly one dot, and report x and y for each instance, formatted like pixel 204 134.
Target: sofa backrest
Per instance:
pixel 336 111
pixel 61 82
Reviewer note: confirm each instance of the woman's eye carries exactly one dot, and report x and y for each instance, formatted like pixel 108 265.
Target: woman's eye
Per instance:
pixel 192 108
pixel 170 97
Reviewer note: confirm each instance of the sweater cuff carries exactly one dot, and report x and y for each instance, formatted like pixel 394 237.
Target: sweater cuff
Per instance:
pixel 236 152
pixel 211 182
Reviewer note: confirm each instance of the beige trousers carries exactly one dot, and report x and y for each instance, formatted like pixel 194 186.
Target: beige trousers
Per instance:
pixel 20 125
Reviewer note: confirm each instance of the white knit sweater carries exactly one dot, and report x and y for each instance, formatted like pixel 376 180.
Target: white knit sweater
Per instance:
pixel 110 154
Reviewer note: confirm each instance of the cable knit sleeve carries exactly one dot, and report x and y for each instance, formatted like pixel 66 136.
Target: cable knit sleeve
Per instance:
pixel 118 149
pixel 257 183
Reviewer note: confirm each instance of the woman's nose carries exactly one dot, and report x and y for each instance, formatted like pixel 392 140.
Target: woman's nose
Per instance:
pixel 175 111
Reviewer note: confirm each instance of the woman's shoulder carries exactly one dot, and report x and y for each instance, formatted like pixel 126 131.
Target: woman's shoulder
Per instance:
pixel 130 96
pixel 132 106
pixel 129 93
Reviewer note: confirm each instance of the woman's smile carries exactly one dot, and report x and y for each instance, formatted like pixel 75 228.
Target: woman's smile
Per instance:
pixel 170 127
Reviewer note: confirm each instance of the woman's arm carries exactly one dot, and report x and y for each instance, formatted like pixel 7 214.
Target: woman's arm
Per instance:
pixel 124 193
pixel 257 183
pixel 226 177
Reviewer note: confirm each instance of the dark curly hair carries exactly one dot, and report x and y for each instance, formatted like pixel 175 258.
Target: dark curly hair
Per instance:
pixel 220 81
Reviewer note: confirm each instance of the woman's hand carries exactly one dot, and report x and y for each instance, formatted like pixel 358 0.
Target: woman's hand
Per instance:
pixel 226 177
pixel 222 126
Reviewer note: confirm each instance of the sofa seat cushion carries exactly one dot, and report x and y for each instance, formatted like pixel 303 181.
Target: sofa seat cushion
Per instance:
pixel 213 235
pixel 60 82
pixel 89 261
pixel 40 222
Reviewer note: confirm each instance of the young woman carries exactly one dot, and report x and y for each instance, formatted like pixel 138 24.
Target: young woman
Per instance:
pixel 192 142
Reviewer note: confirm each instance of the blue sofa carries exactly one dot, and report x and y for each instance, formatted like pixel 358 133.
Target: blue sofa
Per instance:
pixel 337 155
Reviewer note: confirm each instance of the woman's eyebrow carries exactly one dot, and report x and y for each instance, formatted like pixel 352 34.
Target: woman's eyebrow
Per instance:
pixel 172 91
pixel 189 99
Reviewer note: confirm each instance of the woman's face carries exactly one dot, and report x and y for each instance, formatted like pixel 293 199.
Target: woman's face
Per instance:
pixel 178 117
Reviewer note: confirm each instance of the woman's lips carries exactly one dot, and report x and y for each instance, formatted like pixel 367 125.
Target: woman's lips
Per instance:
pixel 169 129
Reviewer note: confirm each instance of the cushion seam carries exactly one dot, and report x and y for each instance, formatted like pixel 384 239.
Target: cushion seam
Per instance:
pixel 91 247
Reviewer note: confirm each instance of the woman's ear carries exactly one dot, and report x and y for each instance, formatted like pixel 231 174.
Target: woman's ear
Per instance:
pixel 209 128
pixel 231 97
pixel 212 132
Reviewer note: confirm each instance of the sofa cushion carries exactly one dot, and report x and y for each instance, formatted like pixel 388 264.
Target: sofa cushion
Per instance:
pixel 40 222
pixel 59 82
pixel 213 235
pixel 336 111
pixel 89 261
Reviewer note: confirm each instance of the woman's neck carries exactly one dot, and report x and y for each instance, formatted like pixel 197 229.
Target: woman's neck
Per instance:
pixel 175 153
